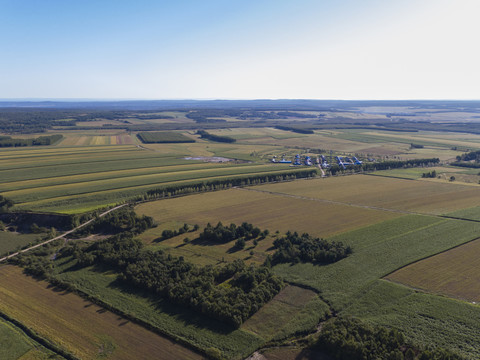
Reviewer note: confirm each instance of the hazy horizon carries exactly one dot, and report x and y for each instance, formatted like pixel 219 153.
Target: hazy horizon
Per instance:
pixel 155 50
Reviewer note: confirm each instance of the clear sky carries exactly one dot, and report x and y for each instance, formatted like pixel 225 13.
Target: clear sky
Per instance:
pixel 240 49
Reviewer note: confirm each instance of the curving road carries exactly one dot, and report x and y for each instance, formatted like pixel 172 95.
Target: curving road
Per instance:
pixel 60 236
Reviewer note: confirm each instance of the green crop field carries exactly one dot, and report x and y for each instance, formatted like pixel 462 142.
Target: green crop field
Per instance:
pixel 90 177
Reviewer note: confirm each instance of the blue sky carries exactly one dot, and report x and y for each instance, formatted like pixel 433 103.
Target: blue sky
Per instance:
pixel 343 49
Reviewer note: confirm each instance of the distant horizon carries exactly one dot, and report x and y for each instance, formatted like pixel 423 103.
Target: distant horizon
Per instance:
pixel 218 99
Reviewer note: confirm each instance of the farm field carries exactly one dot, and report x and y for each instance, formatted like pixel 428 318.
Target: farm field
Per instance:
pixel 267 211
pixel 427 197
pixel 352 285
pixel 77 325
pixel 444 173
pixel 85 140
pixel 453 273
pixel 380 247
pixel 44 178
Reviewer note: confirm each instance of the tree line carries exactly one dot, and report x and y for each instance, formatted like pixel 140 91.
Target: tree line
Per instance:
pixel 221 184
pixel 230 293
pixel 206 135
pixel 294 129
pixel 295 248
pixel 351 339
pixel 385 165
pixel 7 141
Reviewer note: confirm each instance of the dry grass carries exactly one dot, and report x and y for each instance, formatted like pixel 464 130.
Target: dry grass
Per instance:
pixel 453 273
pixel 77 325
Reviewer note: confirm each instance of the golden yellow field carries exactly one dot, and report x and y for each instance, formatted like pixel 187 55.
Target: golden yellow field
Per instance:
pixel 428 197
pixel 453 273
pixel 86 330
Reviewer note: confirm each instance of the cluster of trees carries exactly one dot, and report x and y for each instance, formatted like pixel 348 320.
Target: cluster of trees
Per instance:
pixel 416 146
pixel 431 174
pixel 221 184
pixel 350 339
pixel 124 219
pixel 230 293
pixel 167 234
pixel 295 129
pixel 222 234
pixel 7 141
pixel 205 135
pixel 295 248
pixel 473 155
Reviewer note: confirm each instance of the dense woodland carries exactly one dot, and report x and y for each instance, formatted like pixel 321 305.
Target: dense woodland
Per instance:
pixel 230 293
pixel 350 339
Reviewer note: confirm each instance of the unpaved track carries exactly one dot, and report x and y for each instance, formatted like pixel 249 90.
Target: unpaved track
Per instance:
pixel 60 236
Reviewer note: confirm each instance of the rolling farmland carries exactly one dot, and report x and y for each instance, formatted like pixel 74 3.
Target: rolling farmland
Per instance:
pixel 47 179
pixel 412 231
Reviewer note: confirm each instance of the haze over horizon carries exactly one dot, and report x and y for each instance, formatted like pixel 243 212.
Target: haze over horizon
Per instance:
pixel 115 50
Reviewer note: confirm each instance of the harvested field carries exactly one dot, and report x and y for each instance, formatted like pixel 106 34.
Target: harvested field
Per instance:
pixel 77 325
pixel 389 193
pixel 267 211
pixel 453 273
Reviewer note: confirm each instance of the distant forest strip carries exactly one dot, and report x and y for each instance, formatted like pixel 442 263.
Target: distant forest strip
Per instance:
pixel 295 129
pixel 205 135
pixel 385 165
pixel 7 141
pixel 163 137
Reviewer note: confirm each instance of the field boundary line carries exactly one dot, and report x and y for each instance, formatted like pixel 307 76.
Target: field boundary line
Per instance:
pixel 425 258
pixel 299 197
pixel 61 236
